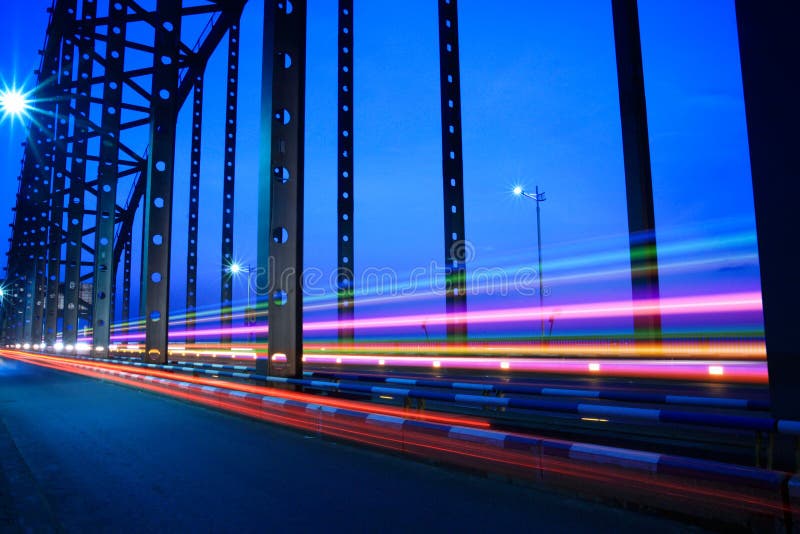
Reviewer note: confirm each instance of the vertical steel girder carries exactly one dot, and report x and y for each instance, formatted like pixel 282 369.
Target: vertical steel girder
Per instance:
pixel 44 138
pixel 345 242
pixel 104 279
pixel 62 129
pixel 769 47
pixel 126 279
pixel 77 180
pixel 18 255
pixel 194 207
pixel 71 151
pixel 24 273
pixel 638 180
pixel 286 197
pixel 265 179
pixel 13 299
pixel 452 172
pixel 160 176
pixel 29 268
pixel 229 174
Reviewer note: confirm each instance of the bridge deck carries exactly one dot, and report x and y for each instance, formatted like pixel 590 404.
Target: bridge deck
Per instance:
pixel 84 455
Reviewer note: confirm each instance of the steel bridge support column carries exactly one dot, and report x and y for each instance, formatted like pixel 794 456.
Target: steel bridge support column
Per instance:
pixel 160 175
pixel 229 173
pixel 638 181
pixel 769 47
pixel 44 150
pixel 29 267
pixel 25 234
pixel 4 322
pixel 18 257
pixel 194 208
pixel 126 280
pixel 77 181
pixel 286 233
pixel 265 179
pixel 452 172
pixel 345 212
pixel 62 130
pixel 104 278
pixel 38 231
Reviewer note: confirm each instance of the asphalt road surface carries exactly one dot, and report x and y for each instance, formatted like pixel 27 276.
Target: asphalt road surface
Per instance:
pixel 83 455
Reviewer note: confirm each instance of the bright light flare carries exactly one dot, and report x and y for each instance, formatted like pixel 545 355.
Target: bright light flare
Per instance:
pixel 14 103
pixel 517 190
pixel 235 268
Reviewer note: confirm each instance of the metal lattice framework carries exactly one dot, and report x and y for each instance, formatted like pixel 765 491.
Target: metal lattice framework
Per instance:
pixel 345 244
pixel 452 168
pixel 115 75
pixel 75 164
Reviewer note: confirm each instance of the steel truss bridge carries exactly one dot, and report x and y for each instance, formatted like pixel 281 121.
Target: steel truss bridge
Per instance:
pixel 112 70
pixel 115 72
pixel 93 66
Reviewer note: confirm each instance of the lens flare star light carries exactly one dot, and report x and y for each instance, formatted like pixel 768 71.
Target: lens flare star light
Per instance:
pixel 14 103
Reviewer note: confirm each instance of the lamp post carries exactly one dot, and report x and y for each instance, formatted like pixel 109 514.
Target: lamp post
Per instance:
pixel 539 198
pixel 234 269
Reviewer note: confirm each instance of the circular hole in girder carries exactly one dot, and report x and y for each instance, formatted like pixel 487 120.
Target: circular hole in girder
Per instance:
pixel 280 235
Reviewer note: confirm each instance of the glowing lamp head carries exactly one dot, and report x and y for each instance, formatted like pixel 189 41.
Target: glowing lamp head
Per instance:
pixel 517 191
pixel 235 268
pixel 13 102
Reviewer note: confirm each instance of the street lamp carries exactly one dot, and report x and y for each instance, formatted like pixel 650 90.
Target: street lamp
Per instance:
pixel 539 198
pixel 237 268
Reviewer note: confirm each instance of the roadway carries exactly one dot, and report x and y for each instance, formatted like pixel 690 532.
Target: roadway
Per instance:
pixel 84 455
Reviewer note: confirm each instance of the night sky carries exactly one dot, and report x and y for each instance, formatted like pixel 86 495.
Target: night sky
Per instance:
pixel 540 107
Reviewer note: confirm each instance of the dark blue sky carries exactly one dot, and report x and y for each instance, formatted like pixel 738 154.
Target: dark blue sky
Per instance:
pixel 539 108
